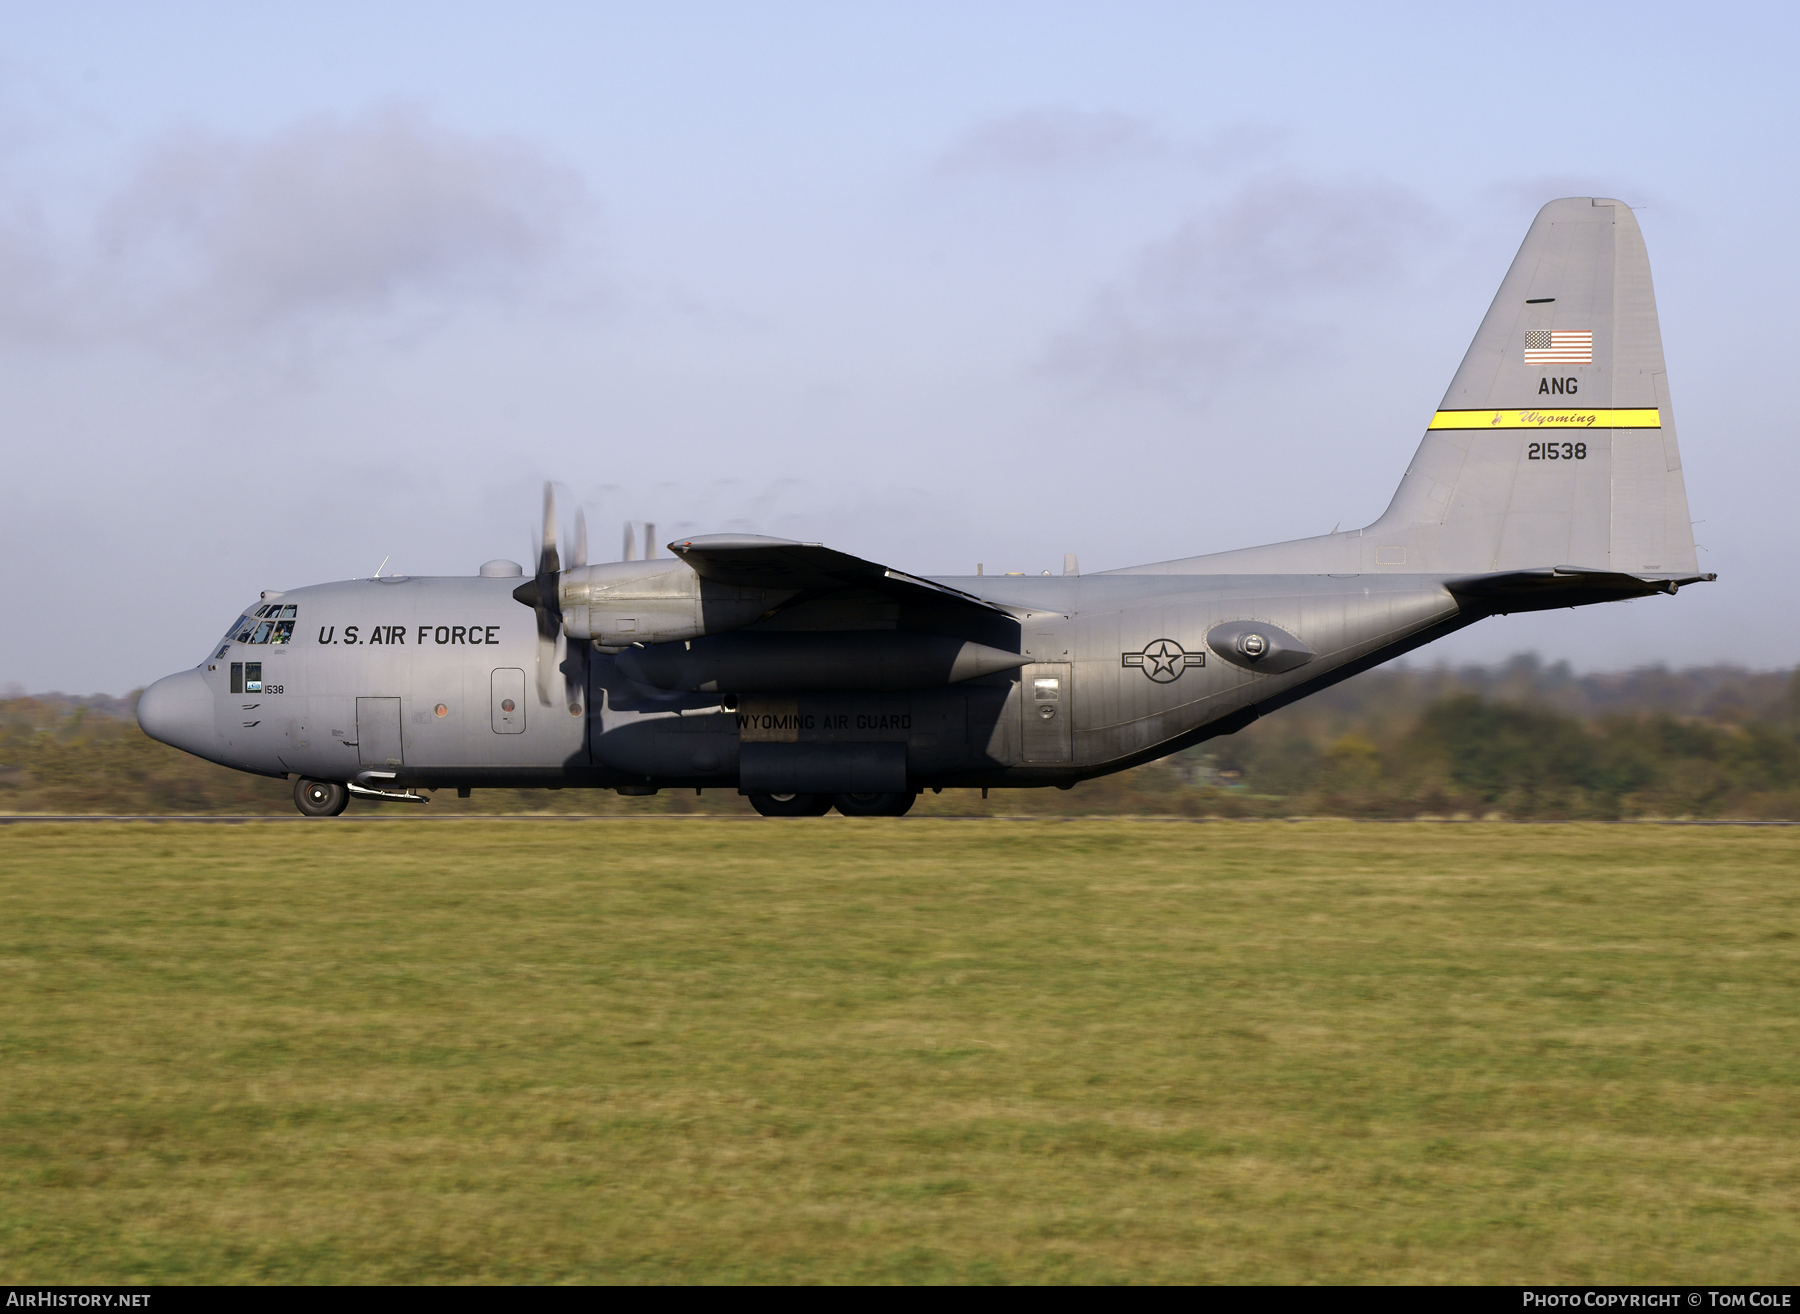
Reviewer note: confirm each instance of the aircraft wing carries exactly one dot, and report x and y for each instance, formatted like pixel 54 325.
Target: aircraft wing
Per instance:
pixel 753 561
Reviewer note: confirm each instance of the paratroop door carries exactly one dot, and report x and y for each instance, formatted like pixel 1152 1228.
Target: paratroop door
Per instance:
pixel 378 732
pixel 1047 733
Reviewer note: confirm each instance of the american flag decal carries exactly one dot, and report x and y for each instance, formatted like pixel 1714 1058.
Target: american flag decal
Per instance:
pixel 1558 347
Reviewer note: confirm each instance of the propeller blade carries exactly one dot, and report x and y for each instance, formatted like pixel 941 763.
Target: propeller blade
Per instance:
pixel 630 544
pixel 547 562
pixel 546 663
pixel 578 557
pixel 543 594
pixel 649 540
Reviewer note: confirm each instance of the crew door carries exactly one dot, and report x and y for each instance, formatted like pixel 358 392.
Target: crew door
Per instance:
pixel 378 732
pixel 1048 732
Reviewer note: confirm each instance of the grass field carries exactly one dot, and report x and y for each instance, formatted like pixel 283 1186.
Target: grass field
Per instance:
pixel 922 1050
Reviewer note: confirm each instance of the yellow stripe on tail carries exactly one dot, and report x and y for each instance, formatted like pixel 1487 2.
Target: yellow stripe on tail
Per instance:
pixel 1609 419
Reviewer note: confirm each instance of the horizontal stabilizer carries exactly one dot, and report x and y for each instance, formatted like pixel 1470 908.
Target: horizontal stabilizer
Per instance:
pixel 1563 586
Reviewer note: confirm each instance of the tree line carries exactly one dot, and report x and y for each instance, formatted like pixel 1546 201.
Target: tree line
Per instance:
pixel 1522 740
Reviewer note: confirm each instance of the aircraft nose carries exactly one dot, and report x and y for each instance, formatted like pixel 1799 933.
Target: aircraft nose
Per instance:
pixel 178 710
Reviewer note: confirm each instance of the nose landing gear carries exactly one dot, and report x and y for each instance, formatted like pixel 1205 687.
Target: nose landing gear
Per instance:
pixel 320 798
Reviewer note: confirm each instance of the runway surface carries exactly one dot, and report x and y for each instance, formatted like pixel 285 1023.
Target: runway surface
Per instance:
pixel 92 818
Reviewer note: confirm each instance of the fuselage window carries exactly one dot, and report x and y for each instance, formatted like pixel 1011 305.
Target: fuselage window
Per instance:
pixel 284 630
pixel 263 629
pixel 252 677
pixel 237 677
pixel 287 612
pixel 245 628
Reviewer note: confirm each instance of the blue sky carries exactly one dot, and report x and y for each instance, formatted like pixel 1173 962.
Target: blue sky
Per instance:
pixel 283 294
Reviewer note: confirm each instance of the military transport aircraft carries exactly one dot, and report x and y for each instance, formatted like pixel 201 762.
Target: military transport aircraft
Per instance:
pixel 807 678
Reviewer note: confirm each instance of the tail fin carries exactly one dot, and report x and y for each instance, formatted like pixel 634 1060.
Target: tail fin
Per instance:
pixel 1555 444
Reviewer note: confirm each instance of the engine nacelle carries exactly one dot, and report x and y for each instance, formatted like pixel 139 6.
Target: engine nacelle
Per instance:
pixel 621 603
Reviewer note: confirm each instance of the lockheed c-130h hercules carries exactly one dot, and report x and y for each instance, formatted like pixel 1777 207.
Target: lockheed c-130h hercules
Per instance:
pixel 807 678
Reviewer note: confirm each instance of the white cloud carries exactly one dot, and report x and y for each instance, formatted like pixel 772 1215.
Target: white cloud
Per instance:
pixel 1243 285
pixel 330 219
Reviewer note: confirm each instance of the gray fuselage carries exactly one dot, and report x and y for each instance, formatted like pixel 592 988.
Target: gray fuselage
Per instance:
pixel 403 681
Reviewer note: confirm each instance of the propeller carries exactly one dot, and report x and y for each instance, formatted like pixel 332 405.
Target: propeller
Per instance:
pixel 542 593
pixel 630 553
pixel 578 557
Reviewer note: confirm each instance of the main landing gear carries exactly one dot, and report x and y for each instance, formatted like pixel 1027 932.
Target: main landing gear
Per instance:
pixel 791 805
pixel 320 798
pixel 873 805
pixel 817 805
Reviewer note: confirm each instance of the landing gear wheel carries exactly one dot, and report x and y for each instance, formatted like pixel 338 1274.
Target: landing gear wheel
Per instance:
pixel 791 805
pixel 320 798
pixel 874 805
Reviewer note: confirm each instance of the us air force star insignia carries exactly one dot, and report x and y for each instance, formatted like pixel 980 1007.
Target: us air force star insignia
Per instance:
pixel 1163 660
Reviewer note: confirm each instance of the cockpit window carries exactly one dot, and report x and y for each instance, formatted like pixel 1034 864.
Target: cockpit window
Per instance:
pixel 272 622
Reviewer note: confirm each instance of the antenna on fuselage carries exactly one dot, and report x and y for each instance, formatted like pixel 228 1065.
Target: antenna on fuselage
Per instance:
pixel 383 566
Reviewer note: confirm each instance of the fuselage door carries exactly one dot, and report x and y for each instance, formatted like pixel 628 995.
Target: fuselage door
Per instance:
pixel 1047 712
pixel 509 701
pixel 378 732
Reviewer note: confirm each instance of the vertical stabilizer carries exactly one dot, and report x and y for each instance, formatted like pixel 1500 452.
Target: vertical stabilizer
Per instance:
pixel 1555 445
